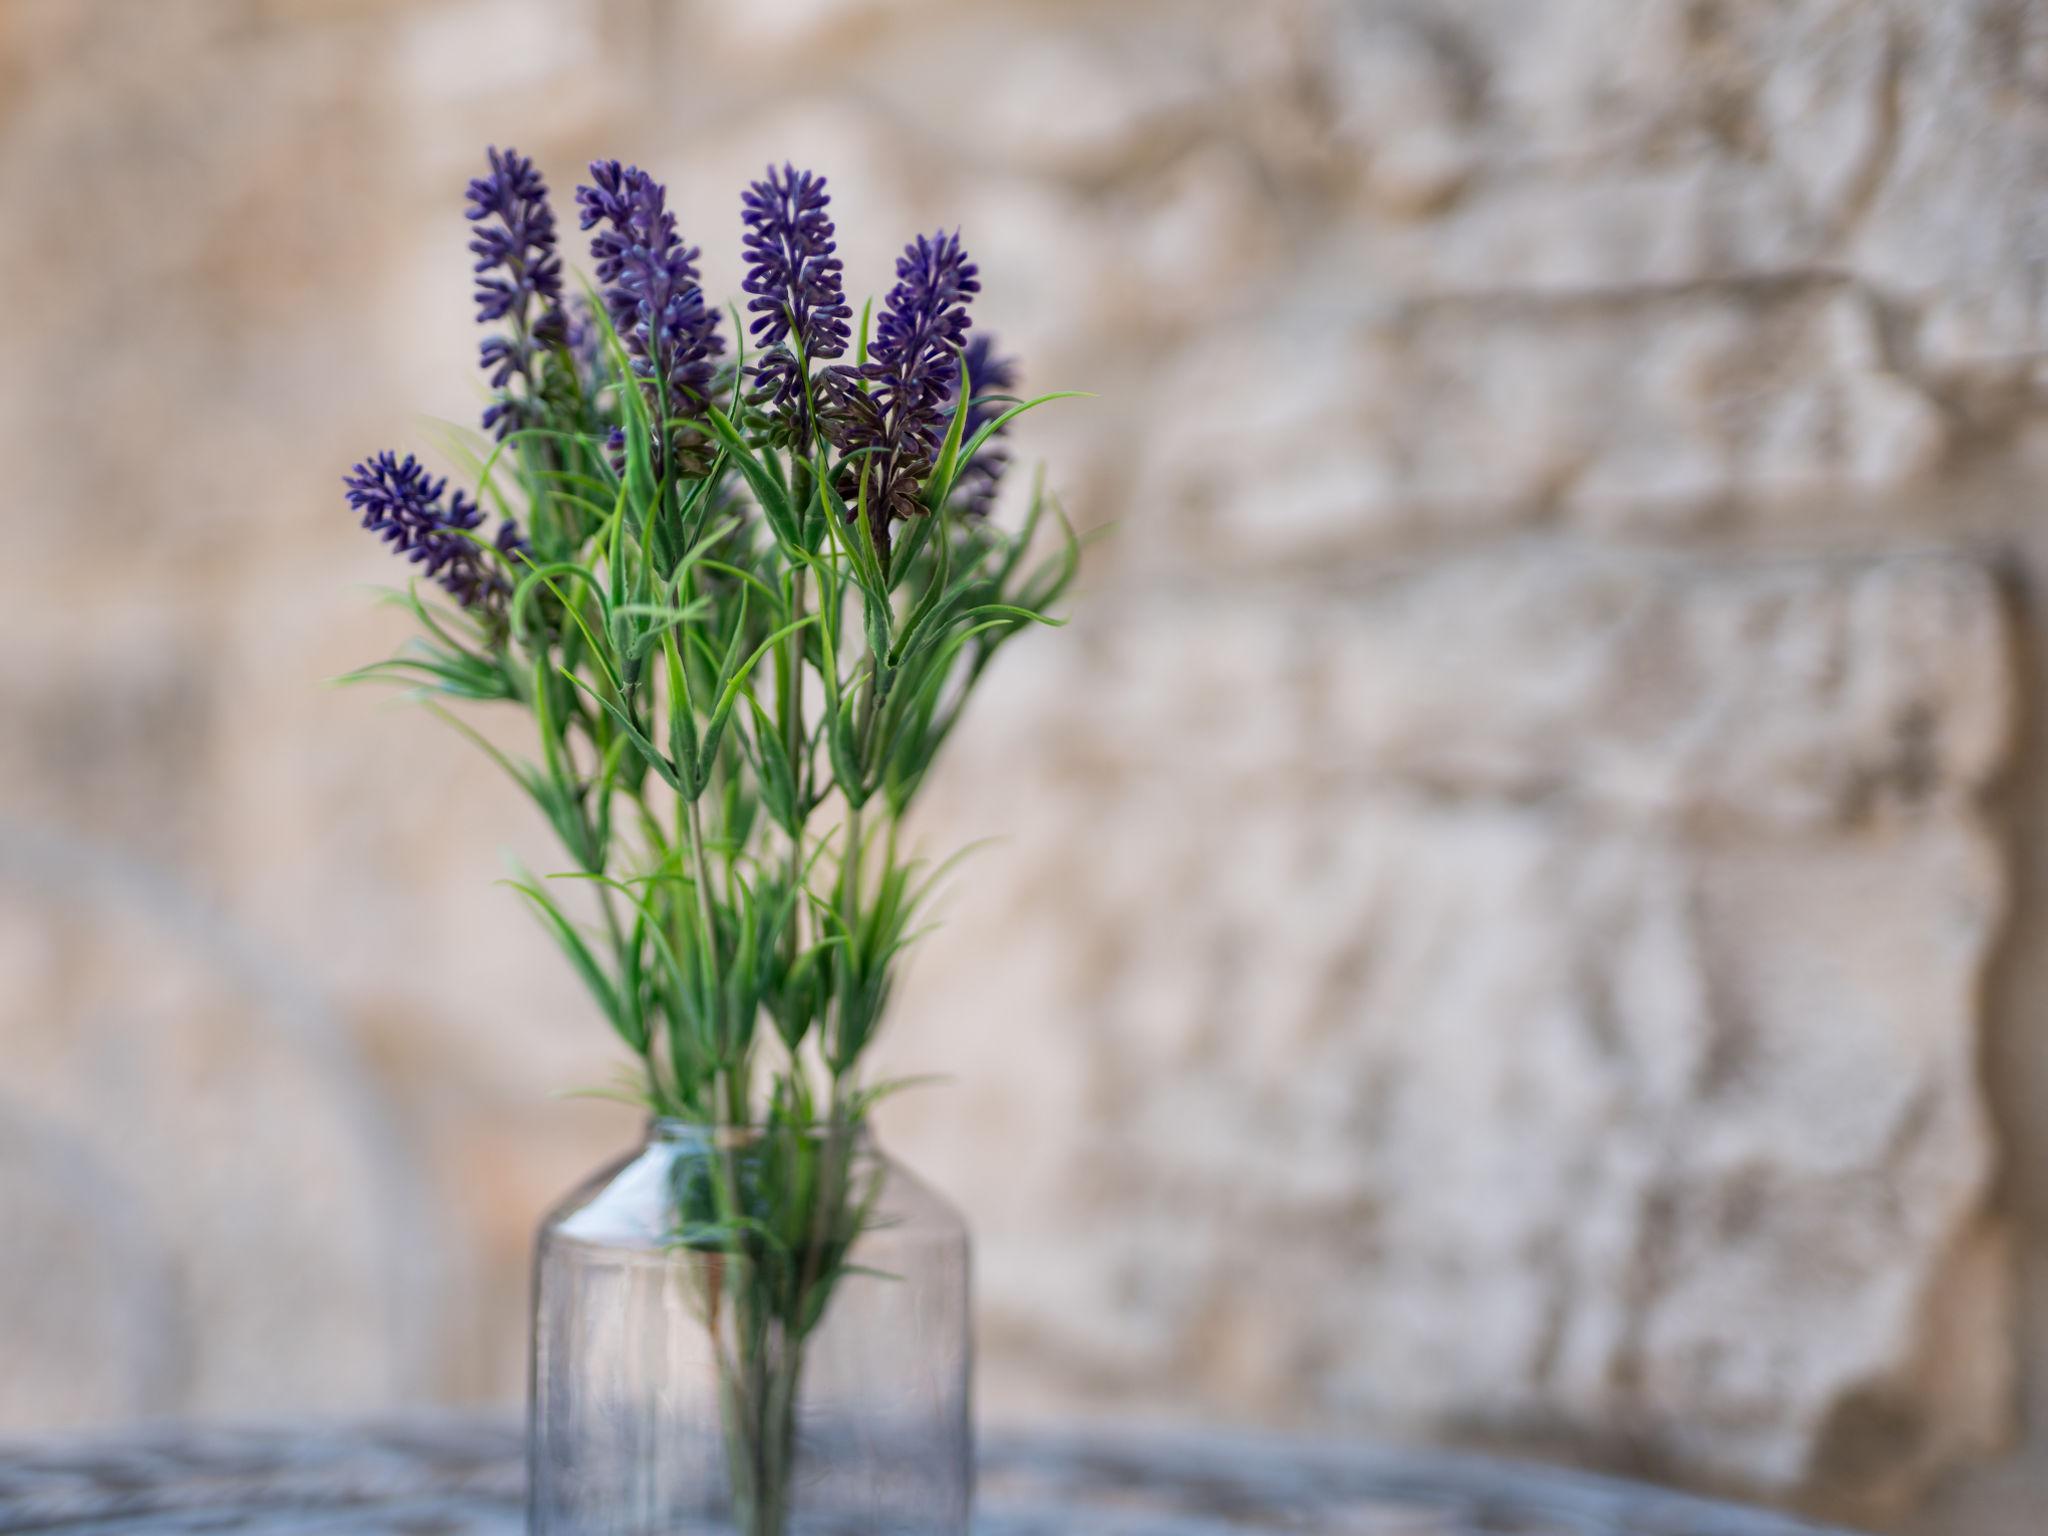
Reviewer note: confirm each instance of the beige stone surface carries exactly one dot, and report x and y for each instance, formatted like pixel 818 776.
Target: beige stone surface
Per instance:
pixel 1524 887
pixel 1489 1029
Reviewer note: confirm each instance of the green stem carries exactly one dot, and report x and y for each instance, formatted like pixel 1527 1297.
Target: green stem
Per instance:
pixel 700 871
pixel 793 741
pixel 849 871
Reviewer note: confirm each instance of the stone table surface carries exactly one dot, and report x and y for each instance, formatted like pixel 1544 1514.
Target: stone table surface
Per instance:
pixel 451 1476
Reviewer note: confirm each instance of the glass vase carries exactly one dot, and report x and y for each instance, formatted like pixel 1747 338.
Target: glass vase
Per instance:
pixel 760 1332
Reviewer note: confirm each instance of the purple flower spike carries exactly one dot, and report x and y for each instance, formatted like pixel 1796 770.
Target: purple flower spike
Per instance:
pixel 988 375
pixel 651 287
pixel 516 266
pixel 585 343
pixel 793 273
pixel 912 371
pixel 912 362
pixel 401 503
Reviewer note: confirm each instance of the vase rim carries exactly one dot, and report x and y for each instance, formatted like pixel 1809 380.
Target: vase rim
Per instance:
pixel 673 1128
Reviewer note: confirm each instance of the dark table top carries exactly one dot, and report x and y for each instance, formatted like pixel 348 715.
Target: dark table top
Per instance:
pixel 457 1476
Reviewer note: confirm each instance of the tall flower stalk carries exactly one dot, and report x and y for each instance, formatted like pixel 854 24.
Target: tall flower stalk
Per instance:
pixel 797 296
pixel 655 302
pixel 518 282
pixel 757 594
pixel 893 407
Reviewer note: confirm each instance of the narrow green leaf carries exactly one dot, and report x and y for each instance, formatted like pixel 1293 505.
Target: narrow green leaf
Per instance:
pixel 726 699
pixel 996 424
pixel 682 719
pixel 647 749
pixel 946 468
pixel 773 498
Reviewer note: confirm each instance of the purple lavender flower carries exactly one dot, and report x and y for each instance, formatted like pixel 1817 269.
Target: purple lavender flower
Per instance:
pixel 793 273
pixel 402 504
pixel 651 287
pixel 511 542
pixel 585 344
pixel 988 376
pixel 516 266
pixel 896 423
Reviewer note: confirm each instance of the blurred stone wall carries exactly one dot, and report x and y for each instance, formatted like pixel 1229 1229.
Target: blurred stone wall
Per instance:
pixel 1522 910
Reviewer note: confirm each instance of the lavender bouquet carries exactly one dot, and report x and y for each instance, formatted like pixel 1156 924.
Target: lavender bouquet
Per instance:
pixel 742 578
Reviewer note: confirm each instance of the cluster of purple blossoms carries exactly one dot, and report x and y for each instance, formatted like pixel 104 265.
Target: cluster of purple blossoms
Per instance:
pixel 798 298
pixel 896 422
pixel 651 288
pixel 403 505
pixel 886 417
pixel 516 266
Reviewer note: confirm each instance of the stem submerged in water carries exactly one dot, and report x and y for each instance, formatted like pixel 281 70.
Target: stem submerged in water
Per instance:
pixel 787 1207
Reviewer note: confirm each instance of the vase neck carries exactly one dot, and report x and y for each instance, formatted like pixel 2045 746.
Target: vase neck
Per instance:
pixel 667 1130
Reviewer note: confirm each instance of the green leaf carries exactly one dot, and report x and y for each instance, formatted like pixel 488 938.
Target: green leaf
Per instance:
pixel 545 575
pixel 1069 565
pixel 641 488
pixel 682 719
pixel 647 749
pixel 715 727
pixel 859 550
pixel 773 497
pixel 748 578
pixel 945 469
pixel 645 638
pixel 777 773
pixel 476 681
pixel 632 1015
pixel 841 746
pixel 938 489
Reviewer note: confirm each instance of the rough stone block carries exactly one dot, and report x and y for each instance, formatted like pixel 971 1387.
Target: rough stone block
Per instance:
pixel 1537 997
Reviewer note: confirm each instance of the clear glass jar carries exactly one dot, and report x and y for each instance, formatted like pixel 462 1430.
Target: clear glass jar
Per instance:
pixel 756 1332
